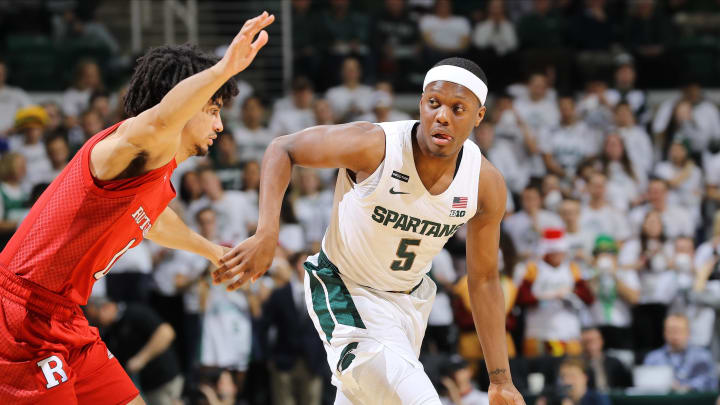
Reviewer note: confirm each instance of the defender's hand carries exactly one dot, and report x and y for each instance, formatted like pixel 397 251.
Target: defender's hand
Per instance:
pixel 242 50
pixel 250 259
pixel 504 394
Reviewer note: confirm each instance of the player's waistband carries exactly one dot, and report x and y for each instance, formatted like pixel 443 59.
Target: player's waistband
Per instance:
pixel 36 298
pixel 324 261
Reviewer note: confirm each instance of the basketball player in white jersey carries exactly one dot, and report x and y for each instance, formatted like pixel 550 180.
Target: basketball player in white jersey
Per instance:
pixel 402 190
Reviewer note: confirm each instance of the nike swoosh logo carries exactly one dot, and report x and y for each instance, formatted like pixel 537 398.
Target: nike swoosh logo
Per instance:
pixel 397 192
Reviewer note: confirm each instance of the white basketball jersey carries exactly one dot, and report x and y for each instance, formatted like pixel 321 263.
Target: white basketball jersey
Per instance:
pixel 385 231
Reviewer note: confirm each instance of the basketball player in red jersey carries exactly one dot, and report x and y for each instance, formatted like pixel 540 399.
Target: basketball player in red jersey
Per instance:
pixel 112 194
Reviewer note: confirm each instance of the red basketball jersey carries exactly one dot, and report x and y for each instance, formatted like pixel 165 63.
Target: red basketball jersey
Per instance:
pixel 80 226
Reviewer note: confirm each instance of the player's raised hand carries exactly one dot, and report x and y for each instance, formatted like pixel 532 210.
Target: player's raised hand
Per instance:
pixel 250 259
pixel 504 394
pixel 243 49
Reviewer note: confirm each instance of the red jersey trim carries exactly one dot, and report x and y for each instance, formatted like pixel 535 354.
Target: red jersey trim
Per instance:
pixel 146 179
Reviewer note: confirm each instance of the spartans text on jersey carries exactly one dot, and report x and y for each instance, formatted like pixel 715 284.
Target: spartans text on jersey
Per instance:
pixel 406 223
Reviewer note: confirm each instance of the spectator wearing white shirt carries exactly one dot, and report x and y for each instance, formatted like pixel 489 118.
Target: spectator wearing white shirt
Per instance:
pixel 625 92
pixel 228 165
pixel 130 279
pixel 382 109
pixel 699 121
pixel 683 178
pixel 711 173
pixel 526 225
pixel 539 111
pixel 457 378
pixel 706 288
pixel 323 112
pixel 495 41
pixel 637 141
pixel 252 138
pixel 298 115
pixel 230 206
pixel 313 207
pixel 564 146
pixel 598 216
pixel 440 335
pixel 31 121
pixel 11 100
pixel 580 241
pixel 444 34
pixel 250 189
pixel 676 220
pixel 501 156
pixel 351 98
pixel 616 290
pixel 13 170
pixel 594 108
pixel 626 182
pixel 58 153
pixel 189 191
pixel 514 143
pixel 76 99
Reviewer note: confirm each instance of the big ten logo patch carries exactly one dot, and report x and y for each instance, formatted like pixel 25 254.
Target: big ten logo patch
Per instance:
pixel 52 368
pixel 457 213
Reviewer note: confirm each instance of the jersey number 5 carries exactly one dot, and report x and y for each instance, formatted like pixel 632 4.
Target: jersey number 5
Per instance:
pixel 100 274
pixel 407 257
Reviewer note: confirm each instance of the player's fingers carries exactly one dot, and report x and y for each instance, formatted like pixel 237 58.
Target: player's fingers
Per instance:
pixel 259 274
pixel 251 23
pixel 239 282
pixel 261 40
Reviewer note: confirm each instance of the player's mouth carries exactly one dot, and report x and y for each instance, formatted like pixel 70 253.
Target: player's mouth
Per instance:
pixel 441 138
pixel 210 140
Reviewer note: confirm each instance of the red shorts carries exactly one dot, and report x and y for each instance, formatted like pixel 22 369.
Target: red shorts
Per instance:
pixel 50 354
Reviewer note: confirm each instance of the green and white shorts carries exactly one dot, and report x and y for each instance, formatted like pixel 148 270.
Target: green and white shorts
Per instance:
pixel 372 337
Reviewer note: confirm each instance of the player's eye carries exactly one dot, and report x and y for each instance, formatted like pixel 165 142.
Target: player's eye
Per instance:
pixel 458 108
pixel 433 102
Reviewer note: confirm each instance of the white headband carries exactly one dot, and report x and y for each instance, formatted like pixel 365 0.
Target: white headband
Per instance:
pixel 458 75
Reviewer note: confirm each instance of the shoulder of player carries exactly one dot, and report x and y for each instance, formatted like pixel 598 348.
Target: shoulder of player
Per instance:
pixel 492 191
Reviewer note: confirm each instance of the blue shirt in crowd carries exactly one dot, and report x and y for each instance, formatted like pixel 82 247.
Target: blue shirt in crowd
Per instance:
pixel 694 367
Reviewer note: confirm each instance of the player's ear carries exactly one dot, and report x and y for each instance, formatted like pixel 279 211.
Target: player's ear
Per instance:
pixel 481 115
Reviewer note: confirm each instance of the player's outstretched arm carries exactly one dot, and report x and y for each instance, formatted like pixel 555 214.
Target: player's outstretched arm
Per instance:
pixel 486 296
pixel 358 146
pixel 171 232
pixel 158 129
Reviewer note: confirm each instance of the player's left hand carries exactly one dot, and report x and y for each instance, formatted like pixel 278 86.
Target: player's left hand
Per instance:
pixel 504 394
pixel 248 260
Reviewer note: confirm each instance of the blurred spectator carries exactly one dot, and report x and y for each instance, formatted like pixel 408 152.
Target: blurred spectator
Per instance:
pixel 444 34
pixel 351 98
pixel 616 290
pixel 699 120
pixel 79 27
pixel 250 188
pixel 501 157
pixel 555 295
pixel 526 225
pixel 11 100
pixel 495 41
pixel 31 122
pixel 591 30
pixel 86 80
pixel 130 279
pixel 683 177
pixel 90 123
pixel 313 207
pixel 228 166
pixel 55 117
pixel 342 32
pixel 646 33
pixel 323 112
pixel 598 216
pixel 594 107
pixel 58 152
pixel 457 379
pixel 252 138
pixel 544 27
pixel 565 145
pixel 306 55
pixel 676 221
pixel 573 380
pixel 294 114
pixel 215 386
pixel 693 367
pixel 383 106
pixel 580 241
pixel 296 354
pixel 440 334
pixel 706 292
pixel 229 205
pixel 626 182
pixel 141 341
pixel 625 91
pixel 100 103
pixel 291 237
pixel 396 40
pixel 635 139
pixel 13 170
pixel 539 110
pixel 605 372
pixel 514 143
pixel 189 191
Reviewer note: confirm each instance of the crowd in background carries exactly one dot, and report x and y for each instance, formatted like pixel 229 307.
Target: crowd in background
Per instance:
pixel 609 250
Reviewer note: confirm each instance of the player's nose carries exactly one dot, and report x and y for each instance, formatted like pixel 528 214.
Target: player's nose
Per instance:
pixel 441 116
pixel 218 125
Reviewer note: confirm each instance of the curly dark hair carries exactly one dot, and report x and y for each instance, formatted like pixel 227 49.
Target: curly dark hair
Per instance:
pixel 161 68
